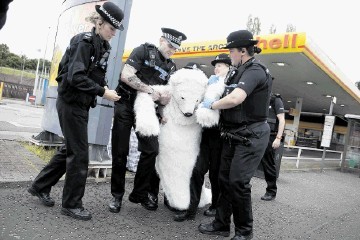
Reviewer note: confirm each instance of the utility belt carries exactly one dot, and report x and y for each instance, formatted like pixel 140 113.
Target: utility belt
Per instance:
pixel 240 135
pixel 124 93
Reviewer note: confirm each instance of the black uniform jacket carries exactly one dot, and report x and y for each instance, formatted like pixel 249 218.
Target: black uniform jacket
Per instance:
pixel 255 79
pixel 156 73
pixel 276 107
pixel 81 58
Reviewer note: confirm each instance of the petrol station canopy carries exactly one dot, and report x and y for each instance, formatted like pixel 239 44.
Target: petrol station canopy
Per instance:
pixel 300 69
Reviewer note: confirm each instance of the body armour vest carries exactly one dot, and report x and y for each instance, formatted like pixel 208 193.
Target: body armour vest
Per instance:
pixel 156 70
pixel 273 121
pixel 255 107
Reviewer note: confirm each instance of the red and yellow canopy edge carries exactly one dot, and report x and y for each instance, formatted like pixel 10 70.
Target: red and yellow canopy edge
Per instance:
pixel 274 43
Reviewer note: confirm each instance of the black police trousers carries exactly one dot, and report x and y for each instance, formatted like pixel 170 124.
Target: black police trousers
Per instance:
pixel 146 179
pixel 208 160
pixel 72 159
pixel 269 167
pixel 237 167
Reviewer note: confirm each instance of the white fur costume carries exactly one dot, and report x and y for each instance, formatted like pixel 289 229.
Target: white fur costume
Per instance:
pixel 179 138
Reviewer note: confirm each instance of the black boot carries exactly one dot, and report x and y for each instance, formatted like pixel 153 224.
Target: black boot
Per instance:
pixel 210 229
pixel 211 212
pixel 43 197
pixel 242 237
pixel 186 215
pixel 268 197
pixel 115 205
pixel 77 213
pixel 147 202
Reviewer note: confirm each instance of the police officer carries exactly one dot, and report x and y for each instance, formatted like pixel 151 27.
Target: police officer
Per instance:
pixel 243 125
pixel 147 65
pixel 81 78
pixel 276 121
pixel 209 156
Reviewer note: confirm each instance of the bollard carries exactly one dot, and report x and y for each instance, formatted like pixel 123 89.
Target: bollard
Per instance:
pixel 1 89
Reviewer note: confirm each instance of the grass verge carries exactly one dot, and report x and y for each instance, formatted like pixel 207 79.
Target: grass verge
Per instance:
pixel 44 153
pixel 16 72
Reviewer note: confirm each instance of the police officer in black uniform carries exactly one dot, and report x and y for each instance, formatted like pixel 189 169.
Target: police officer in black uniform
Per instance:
pixel 147 65
pixel 276 121
pixel 209 155
pixel 81 78
pixel 244 107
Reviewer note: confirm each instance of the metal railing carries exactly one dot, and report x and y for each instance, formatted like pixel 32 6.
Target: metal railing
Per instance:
pixel 313 154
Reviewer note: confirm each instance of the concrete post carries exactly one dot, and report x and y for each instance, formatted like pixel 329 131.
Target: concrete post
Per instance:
pixel 296 122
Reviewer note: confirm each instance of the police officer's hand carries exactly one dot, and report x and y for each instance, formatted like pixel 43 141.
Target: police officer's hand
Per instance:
pixel 111 95
pixel 276 143
pixel 213 79
pixel 164 98
pixel 155 95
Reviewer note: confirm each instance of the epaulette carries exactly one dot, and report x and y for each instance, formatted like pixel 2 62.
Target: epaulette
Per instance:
pixel 88 37
pixel 277 95
pixel 147 44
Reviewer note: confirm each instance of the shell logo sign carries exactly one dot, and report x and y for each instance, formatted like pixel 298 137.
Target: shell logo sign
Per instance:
pixel 282 43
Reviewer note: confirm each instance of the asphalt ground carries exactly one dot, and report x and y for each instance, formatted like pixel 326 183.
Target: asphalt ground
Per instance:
pixel 309 205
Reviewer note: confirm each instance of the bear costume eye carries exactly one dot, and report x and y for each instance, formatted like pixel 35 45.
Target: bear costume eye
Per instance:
pixel 182 98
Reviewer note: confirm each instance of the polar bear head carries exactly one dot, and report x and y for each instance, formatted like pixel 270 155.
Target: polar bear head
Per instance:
pixel 187 89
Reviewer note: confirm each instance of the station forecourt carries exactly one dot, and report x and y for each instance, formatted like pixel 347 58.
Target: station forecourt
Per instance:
pixel 308 82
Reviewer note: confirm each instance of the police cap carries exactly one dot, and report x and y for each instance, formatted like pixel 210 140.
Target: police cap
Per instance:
pixel 173 36
pixel 221 58
pixel 112 14
pixel 241 38
pixel 193 65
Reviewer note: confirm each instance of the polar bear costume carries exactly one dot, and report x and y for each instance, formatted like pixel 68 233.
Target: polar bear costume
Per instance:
pixel 179 138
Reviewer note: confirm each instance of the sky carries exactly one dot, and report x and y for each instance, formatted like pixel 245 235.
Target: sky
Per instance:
pixel 331 25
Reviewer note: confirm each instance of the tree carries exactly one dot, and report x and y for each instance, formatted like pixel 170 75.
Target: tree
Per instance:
pixel 290 28
pixel 47 65
pixel 8 59
pixel 14 61
pixel 357 84
pixel 4 54
pixel 253 25
pixel 249 24
pixel 31 64
pixel 272 29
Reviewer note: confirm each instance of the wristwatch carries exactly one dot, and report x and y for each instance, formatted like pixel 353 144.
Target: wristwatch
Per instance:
pixel 151 91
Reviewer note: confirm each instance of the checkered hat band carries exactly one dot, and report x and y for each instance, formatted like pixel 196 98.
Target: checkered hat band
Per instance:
pixel 113 20
pixel 172 38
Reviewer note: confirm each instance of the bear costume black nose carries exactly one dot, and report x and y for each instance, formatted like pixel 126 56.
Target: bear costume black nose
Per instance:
pixel 188 114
